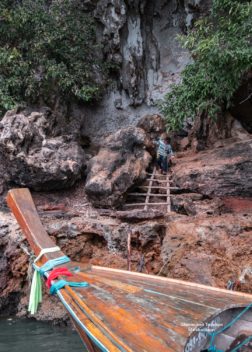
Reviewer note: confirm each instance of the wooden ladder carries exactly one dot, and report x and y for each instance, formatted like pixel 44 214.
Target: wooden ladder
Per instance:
pixel 165 185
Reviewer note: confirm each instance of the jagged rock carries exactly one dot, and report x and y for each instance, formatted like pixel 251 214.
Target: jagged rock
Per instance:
pixel 33 156
pixel 120 164
pixel 139 38
pixel 13 265
pixel 194 9
pixel 134 215
pixel 113 15
pixel 237 204
pixel 209 250
pixel 208 133
pixel 153 125
pixel 242 103
pixel 218 172
pixel 194 204
pixel 184 143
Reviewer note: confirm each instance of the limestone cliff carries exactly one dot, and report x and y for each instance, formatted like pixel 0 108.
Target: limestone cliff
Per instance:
pixel 140 38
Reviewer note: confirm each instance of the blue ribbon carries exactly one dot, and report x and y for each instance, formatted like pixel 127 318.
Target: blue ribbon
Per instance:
pixel 62 283
pixel 51 264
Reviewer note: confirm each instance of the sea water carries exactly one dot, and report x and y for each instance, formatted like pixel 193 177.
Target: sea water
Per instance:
pixel 18 335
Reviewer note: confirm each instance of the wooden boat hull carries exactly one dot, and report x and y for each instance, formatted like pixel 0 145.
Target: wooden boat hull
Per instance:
pixel 127 311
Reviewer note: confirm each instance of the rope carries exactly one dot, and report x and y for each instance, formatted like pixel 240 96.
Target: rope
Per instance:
pixel 45 251
pixel 242 344
pixel 62 283
pixel 212 347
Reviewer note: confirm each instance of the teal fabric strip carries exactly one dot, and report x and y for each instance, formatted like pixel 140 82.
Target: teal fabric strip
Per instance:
pixel 62 283
pixel 51 264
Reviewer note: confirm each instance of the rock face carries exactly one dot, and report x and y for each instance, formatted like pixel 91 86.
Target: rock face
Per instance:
pixel 224 171
pixel 120 163
pixel 208 133
pixel 33 156
pixel 153 125
pixel 209 250
pixel 140 37
pixel 13 265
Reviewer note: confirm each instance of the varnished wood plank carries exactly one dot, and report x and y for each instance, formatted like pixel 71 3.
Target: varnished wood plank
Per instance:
pixel 166 321
pixel 175 291
pixel 22 206
pixel 140 332
pixel 86 341
pixel 90 326
pixel 153 303
pixel 93 317
pixel 185 284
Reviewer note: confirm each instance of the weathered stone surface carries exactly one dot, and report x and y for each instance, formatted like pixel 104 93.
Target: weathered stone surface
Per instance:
pixel 242 103
pixel 134 215
pixel 13 265
pixel 237 204
pixel 153 125
pixel 120 164
pixel 209 250
pixel 33 156
pixel 195 204
pixel 112 15
pixel 208 133
pixel 141 38
pixel 218 172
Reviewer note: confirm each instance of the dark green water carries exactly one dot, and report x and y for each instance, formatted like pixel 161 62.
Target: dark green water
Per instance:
pixel 32 336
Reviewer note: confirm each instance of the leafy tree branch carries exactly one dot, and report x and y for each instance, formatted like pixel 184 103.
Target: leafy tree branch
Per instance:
pixel 220 45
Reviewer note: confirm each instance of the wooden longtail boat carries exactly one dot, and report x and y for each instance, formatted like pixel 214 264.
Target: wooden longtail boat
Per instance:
pixel 133 312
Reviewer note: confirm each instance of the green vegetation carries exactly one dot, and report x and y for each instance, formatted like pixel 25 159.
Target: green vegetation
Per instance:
pixel 47 50
pixel 220 45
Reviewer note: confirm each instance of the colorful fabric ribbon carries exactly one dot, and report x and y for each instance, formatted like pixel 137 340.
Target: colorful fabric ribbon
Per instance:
pixel 36 286
pixel 62 283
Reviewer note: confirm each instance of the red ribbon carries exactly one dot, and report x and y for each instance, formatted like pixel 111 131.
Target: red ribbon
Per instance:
pixel 55 273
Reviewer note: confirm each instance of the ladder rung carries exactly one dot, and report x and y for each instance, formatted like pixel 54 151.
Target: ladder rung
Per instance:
pixel 156 187
pixel 149 179
pixel 145 194
pixel 148 173
pixel 133 204
pixel 157 175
